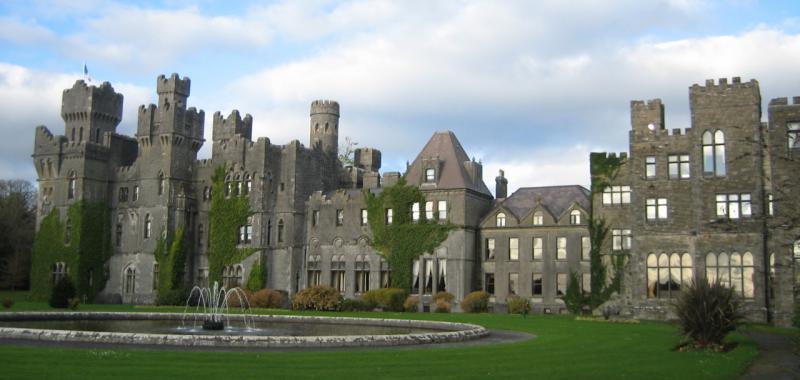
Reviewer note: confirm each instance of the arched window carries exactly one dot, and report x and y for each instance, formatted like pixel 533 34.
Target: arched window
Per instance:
pixel 735 271
pixel 238 276
pixel 314 268
pixel 538 218
pixel 148 226
pixel 714 153
pixel 338 277
pixel 280 231
pixel 237 187
pixel 59 271
pixel 118 234
pixel 248 184
pixel 155 276
pixel 501 220
pixel 575 217
pixel 441 284
pixel 386 273
pixel 71 185
pixel 80 135
pixel 666 274
pixel 73 135
pixel 162 183
pixel 68 232
pixel 362 274
pixel 130 280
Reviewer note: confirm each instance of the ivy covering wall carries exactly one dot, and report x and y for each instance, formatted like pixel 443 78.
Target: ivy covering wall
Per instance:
pixel 171 258
pixel 85 252
pixel 226 215
pixel 403 240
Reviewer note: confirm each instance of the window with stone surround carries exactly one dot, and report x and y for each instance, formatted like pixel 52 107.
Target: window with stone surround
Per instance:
pixel 488 283
pixel 364 217
pixel 415 212
pixel 442 208
pixel 616 195
pixel 620 239
pixel 501 220
pixel 429 210
pixel 362 274
pixel 536 284
pixel 561 284
pixel 678 166
pixel 339 217
pixel 490 249
pixel 735 271
pixel 71 186
pixel 667 274
pixel 537 248
pixel 338 278
pixel 430 175
pixel 561 248
pixel 135 193
pixel 656 209
pixel 389 216
pixel 714 153
pixel 770 209
pixel 415 277
pixel 513 284
pixel 513 249
pixel 538 218
pixel 441 284
pixel 793 134
pixel 733 206
pixel 650 167
pixel 586 248
pixel 575 217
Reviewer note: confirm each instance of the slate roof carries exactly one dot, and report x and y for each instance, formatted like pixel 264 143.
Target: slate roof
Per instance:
pixel 555 199
pixel 453 175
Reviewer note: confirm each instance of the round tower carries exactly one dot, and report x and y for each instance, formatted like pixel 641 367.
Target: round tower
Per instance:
pixel 325 126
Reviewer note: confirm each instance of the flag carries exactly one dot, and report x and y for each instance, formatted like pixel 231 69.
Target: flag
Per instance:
pixel 85 70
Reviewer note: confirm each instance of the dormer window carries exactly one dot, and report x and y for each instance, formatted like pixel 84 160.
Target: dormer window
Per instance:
pixel 501 220
pixel 575 217
pixel 430 175
pixel 538 218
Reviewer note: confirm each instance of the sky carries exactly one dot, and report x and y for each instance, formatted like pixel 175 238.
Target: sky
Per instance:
pixel 530 87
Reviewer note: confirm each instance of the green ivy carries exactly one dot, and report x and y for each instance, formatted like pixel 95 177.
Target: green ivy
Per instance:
pixel 404 240
pixel 574 297
pixel 604 168
pixel 85 256
pixel 255 281
pixel 171 268
pixel 225 217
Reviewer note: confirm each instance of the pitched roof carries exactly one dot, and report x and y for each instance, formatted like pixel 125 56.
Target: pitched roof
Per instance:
pixel 556 199
pixel 453 174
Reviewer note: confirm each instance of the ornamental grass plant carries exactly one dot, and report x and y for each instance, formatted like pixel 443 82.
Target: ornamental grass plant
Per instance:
pixel 707 312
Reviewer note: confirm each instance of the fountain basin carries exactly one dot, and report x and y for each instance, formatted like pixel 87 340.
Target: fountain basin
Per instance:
pixel 419 332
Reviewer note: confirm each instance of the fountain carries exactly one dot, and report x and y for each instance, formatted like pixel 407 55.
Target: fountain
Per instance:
pixel 215 309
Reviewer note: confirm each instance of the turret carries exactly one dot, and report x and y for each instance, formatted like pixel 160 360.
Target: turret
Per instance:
pixel 325 126
pixel 224 129
pixel 724 104
pixel 172 94
pixel 90 111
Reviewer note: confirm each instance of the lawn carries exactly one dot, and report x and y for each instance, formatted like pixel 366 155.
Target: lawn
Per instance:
pixel 564 349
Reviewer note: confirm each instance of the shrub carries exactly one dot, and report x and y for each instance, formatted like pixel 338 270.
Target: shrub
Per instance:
pixel 317 298
pixel 356 305
pixel 518 305
pixel 62 293
pixel 74 303
pixel 441 306
pixel 707 312
pixel 389 299
pixel 7 303
pixel 171 297
pixel 476 302
pixel 574 298
pixel 444 296
pixel 411 304
pixel 235 299
pixel 266 298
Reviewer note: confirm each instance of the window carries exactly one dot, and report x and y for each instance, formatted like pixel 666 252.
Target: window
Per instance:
pixel 513 249
pixel 364 217
pixel 415 212
pixel 155 276
pixel 314 218
pixel 430 175
pixel 389 216
pixel 656 208
pixel 338 273
pixel 442 210
pixel 130 280
pixel 793 134
pixel 796 249
pixel 362 274
pixel 118 235
pixel 441 284
pixel 513 284
pixel 59 271
pixel 248 184
pixel 200 236
pixel 733 205
pixel 650 167
pixel 339 217
pixel 666 274
pixel 148 226
pixel 537 248
pixel 538 218
pixel 616 195
pixel 490 249
pixel 488 283
pixel 714 153
pixel 428 285
pixel 429 210
pixel 575 217
pixel 206 193
pixel 586 248
pixel 123 194
pixel 162 183
pixel 245 234
pixel 735 271
pixel 280 231
pixel 772 276
pixel 620 239
pixel 386 274
pixel 415 276
pixel 586 283
pixel 561 284
pixel 71 186
pixel 238 276
pixel 561 245
pixel 501 220
pixel 135 193
pixel 536 284
pixel 314 270
pixel 678 166
pixel 269 231
pixel 770 210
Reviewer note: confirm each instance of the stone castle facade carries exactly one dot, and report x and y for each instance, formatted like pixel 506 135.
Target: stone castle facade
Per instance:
pixel 309 212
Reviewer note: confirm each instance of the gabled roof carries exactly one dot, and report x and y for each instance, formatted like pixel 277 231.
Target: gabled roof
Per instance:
pixel 445 147
pixel 555 199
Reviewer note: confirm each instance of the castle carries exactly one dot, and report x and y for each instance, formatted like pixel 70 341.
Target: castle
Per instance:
pixel 714 201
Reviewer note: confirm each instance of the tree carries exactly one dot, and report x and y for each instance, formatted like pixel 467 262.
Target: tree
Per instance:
pixel 347 151
pixel 17 227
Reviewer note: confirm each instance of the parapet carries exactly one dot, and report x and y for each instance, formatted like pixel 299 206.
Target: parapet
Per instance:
pixel 647 116
pixel 785 101
pixel 173 84
pixel 722 85
pixel 227 128
pixel 368 159
pixel 325 106
pixel 84 102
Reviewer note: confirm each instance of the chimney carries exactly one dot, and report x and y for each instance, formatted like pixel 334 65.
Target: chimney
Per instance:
pixel 501 185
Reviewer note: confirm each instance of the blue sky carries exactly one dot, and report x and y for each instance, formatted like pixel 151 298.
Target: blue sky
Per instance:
pixel 530 87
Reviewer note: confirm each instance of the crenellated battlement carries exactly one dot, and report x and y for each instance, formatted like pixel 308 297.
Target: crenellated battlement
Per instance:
pixel 784 101
pixel 722 84
pixel 204 163
pixel 83 101
pixel 325 106
pixel 173 84
pixel 195 122
pixel 643 106
pixel 233 125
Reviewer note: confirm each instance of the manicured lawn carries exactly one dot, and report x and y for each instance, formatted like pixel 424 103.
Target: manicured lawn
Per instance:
pixel 564 349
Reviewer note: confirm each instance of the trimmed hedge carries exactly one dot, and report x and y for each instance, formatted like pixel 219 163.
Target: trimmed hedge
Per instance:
pixel 389 299
pixel 475 302
pixel 319 298
pixel 266 298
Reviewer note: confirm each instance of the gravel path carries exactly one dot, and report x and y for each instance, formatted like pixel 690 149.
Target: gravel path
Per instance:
pixel 778 357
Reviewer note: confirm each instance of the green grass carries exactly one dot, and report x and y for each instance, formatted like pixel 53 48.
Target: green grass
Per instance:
pixel 564 349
